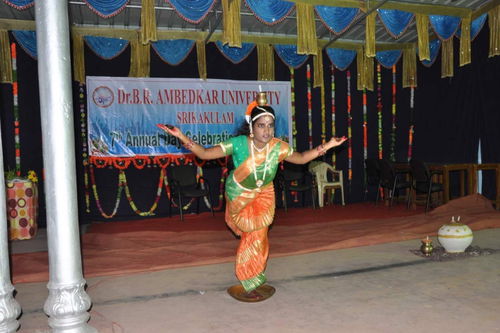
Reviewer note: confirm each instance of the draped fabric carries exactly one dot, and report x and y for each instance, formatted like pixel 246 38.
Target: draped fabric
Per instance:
pixel 148 22
pixel 106 47
pixel 270 12
pixel 422 23
pixel 409 67
pixel 395 21
pixel 447 58
pixel 370 35
pixel 202 59
pixel 27 40
pixel 434 47
pixel 365 70
pixel 106 8
pixel 336 19
pixel 341 58
pixel 5 58
pixel 235 54
pixel 193 11
pixel 388 58
pixel 231 34
pixel 475 26
pixel 318 71
pixel 288 54
pixel 20 4
pixel 139 58
pixel 307 42
pixel 465 41
pixel 173 51
pixel 494 24
pixel 265 62
pixel 444 26
pixel 78 57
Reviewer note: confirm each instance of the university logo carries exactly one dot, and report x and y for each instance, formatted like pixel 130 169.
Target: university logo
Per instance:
pixel 103 96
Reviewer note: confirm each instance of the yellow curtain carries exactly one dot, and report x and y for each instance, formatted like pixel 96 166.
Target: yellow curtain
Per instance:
pixel 318 70
pixel 148 22
pixel 265 59
pixel 202 59
pixel 139 59
pixel 78 58
pixel 424 52
pixel 494 23
pixel 465 52
pixel 368 63
pixel 306 29
pixel 5 61
pixel 409 67
pixel 447 58
pixel 365 70
pixel 370 35
pixel 232 22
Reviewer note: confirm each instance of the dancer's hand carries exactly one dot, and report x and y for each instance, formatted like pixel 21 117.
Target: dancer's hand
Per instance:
pixel 335 141
pixel 170 129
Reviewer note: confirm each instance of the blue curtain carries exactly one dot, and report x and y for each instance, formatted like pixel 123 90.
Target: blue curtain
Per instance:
pixel 395 21
pixel 107 8
pixel 105 47
pixel 337 19
pixel 475 26
pixel 388 58
pixel 341 58
pixel 235 54
pixel 192 10
pixel 270 11
pixel 173 51
pixel 20 4
pixel 27 40
pixel 288 53
pixel 444 26
pixel 434 46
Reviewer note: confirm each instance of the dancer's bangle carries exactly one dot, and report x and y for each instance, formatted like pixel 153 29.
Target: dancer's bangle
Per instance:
pixel 321 150
pixel 189 145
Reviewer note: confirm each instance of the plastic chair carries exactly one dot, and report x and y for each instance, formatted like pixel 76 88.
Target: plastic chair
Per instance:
pixel 320 170
pixel 422 180
pixel 390 180
pixel 184 183
pixel 294 178
pixel 372 172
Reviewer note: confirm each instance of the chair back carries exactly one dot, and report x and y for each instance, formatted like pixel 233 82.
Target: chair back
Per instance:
pixel 372 169
pixel 292 172
pixel 387 173
pixel 183 175
pixel 419 171
pixel 320 171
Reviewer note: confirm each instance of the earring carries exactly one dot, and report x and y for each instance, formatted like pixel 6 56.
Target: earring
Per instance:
pixel 251 135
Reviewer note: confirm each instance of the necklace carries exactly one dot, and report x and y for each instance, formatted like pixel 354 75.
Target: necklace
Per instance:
pixel 257 148
pixel 259 182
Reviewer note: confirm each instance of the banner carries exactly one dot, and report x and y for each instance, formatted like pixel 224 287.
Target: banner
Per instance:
pixel 123 112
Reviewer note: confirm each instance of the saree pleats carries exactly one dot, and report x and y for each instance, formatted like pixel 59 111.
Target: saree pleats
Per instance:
pixel 251 258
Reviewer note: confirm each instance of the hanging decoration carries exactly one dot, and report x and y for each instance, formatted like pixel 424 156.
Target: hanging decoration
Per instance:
pixel 20 4
pixel 27 40
pixel 107 8
pixel 83 136
pixel 395 21
pixel 96 195
pixel 173 51
pixel 336 19
pixel 235 54
pixel 434 47
pixel 150 212
pixel 334 132
pixel 15 106
pixel 349 127
pixel 341 58
pixel 388 58
pixel 393 133
pixel 365 126
pixel 192 11
pixel 292 97
pixel 105 47
pixel 309 106
pixel 475 27
pixel 270 12
pixel 411 130
pixel 379 111
pixel 288 54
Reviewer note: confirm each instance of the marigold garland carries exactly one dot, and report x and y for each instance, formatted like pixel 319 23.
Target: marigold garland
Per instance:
pixel 96 195
pixel 150 212
pixel 349 127
pixel 365 127
pixel 379 112
pixel 309 106
pixel 83 134
pixel 334 132
pixel 15 96
pixel 411 129
pixel 294 124
pixel 393 133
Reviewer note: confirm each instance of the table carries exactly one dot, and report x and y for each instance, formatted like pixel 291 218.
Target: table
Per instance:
pixel 464 168
pixel 488 166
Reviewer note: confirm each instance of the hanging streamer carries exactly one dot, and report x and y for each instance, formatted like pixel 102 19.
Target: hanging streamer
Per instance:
pixel 349 128
pixel 294 123
pixel 379 111
pixel 15 96
pixel 131 202
pixel 334 132
pixel 309 106
pixel 83 131
pixel 393 133
pixel 96 195
pixel 411 130
pixel 365 127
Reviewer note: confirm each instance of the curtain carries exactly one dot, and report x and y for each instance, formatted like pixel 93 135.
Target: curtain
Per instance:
pixel 105 47
pixel 27 40
pixel 288 54
pixel 173 51
pixel 341 58
pixel 106 8
pixel 336 19
pixel 193 11
pixel 270 12
pixel 388 58
pixel 395 21
pixel 235 54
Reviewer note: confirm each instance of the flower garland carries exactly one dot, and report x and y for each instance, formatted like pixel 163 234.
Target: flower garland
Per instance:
pixel 379 112
pixel 365 127
pixel 83 133
pixel 223 176
pixel 96 195
pixel 349 127
pixel 150 212
pixel 411 130
pixel 393 133
pixel 17 144
pixel 323 115
pixel 294 124
pixel 332 79
pixel 309 106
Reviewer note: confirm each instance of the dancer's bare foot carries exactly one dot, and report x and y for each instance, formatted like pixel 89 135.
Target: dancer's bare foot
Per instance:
pixel 254 295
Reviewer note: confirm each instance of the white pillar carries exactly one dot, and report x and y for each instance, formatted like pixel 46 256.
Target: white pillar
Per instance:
pixel 67 304
pixel 9 308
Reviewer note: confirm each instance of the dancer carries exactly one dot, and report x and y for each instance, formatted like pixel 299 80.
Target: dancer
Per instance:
pixel 250 199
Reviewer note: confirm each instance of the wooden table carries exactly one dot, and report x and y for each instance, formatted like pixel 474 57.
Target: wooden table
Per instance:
pixel 464 168
pixel 488 166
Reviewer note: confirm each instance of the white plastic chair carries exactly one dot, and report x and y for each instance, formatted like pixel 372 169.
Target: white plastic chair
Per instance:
pixel 320 170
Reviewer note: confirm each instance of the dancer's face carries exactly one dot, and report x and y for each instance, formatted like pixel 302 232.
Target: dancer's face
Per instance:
pixel 263 130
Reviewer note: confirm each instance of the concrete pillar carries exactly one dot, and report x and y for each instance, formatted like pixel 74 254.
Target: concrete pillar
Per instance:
pixel 9 308
pixel 67 304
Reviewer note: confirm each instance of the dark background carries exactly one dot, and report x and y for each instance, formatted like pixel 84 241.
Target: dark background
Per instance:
pixel 450 115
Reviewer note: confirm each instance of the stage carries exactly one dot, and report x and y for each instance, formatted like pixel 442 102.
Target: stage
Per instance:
pixel 126 247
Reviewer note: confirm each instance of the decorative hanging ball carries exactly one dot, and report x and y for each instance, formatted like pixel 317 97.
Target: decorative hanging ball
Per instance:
pixel 455 237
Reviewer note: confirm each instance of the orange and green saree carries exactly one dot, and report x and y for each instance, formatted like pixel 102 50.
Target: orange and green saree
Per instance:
pixel 249 207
